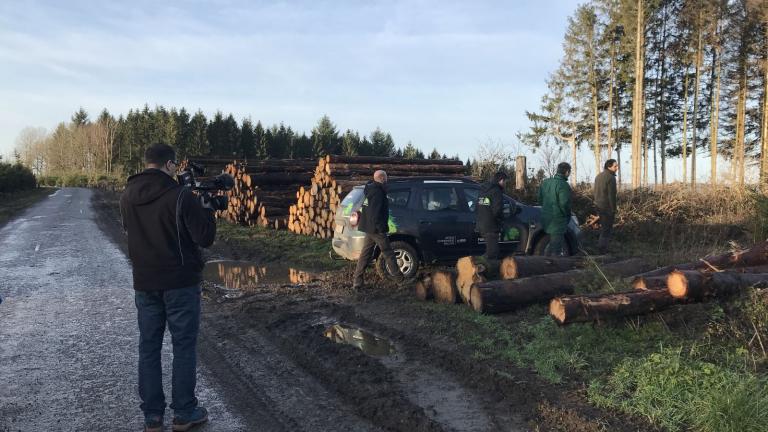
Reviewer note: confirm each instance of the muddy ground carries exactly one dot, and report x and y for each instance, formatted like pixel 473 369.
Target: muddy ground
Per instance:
pixel 266 345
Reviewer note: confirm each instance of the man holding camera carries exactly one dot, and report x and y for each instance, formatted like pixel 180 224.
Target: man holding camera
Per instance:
pixel 166 225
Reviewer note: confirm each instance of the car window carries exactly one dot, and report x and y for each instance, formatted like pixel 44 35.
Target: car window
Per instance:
pixel 439 198
pixel 352 201
pixel 398 198
pixel 471 195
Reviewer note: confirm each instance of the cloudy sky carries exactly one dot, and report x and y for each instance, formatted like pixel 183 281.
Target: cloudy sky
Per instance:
pixel 434 72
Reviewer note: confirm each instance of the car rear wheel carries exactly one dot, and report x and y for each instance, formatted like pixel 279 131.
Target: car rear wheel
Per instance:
pixel 541 246
pixel 407 259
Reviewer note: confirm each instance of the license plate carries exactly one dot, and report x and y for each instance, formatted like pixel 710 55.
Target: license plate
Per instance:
pixel 339 228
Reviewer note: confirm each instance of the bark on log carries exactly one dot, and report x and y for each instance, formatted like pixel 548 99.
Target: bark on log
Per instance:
pixel 472 270
pixel 516 267
pixel 281 179
pixel 698 285
pixel 338 159
pixel 505 295
pixel 595 307
pixel 756 255
pixel 444 287
pixel 650 283
pixel 424 289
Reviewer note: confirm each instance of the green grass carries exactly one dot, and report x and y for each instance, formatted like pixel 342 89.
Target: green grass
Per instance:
pixel 678 391
pixel 268 245
pixel 14 203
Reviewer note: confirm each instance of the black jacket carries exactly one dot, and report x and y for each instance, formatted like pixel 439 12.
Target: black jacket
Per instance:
pixel 165 223
pixel 375 210
pixel 605 191
pixel 490 209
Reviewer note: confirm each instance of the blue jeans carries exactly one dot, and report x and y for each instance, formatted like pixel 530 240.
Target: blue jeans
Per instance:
pixel 180 309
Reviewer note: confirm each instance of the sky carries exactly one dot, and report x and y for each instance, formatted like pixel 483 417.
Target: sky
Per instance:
pixel 445 74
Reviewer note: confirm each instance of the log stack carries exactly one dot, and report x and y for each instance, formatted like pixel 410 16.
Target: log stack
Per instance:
pixel 314 208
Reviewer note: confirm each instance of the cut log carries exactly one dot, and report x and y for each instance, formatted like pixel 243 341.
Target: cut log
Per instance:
pixel 444 287
pixel 516 267
pixel 595 307
pixel 334 159
pixel 756 255
pixel 424 288
pixel 650 283
pixel 505 295
pixel 472 270
pixel 697 285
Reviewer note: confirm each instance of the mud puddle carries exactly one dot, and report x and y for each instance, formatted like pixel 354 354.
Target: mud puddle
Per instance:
pixel 235 277
pixel 365 341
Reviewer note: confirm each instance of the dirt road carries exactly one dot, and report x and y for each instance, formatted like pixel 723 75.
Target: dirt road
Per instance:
pixel 270 357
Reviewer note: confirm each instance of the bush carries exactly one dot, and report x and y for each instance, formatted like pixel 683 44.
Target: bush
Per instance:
pixel 16 177
pixel 50 181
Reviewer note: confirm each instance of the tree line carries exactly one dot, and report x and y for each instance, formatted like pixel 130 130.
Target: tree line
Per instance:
pixel 116 145
pixel 663 79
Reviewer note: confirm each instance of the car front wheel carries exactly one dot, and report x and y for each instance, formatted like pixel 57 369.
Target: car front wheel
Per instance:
pixel 407 260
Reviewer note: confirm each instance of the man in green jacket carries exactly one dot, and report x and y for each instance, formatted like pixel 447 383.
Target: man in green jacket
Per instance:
pixel 555 200
pixel 605 200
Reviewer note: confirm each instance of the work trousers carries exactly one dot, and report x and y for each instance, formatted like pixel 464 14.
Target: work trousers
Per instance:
pixel 606 229
pixel 491 245
pixel 366 256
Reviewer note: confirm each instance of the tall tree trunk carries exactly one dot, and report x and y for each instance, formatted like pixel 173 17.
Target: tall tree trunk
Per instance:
pixel 572 141
pixel 764 129
pixel 740 124
pixel 715 120
pixel 662 101
pixel 612 83
pixel 637 102
pixel 685 127
pixel 596 115
pixel 694 143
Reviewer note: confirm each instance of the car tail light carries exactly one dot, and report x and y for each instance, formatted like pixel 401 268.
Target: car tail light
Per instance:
pixel 354 218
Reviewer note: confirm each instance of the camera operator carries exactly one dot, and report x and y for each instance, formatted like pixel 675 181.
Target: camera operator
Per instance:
pixel 166 224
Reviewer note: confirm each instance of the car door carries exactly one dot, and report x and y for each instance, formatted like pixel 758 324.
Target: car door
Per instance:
pixel 440 208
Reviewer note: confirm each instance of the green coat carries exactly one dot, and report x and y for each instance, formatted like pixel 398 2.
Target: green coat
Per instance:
pixel 555 200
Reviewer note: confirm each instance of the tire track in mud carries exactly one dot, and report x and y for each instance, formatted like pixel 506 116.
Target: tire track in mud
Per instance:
pixel 261 379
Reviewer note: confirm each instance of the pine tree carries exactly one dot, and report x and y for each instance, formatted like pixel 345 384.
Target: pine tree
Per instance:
pixel 325 137
pixel 247 139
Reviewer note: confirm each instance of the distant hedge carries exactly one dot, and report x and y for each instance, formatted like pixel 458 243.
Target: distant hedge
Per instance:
pixel 16 177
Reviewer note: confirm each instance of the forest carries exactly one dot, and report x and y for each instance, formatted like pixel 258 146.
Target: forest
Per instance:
pixel 651 80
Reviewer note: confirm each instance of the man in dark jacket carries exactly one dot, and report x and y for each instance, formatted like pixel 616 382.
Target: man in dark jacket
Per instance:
pixel 166 223
pixel 605 199
pixel 490 213
pixel 374 222
pixel 555 200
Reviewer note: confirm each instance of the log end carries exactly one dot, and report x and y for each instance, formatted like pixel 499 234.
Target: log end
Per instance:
pixel 677 284
pixel 424 289
pixel 638 283
pixel 557 310
pixel 508 268
pixel 444 287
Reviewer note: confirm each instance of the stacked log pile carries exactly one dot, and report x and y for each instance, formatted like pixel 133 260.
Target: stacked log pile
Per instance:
pixel 315 204
pixel 264 190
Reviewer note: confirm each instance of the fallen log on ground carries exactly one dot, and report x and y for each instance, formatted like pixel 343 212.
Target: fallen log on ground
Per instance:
pixel 696 285
pixel 594 307
pixel 505 295
pixel 472 270
pixel 521 266
pixel 756 255
pixel 444 287
pixel 650 283
pixel 424 289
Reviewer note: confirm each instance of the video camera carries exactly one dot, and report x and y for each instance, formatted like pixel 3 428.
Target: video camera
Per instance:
pixel 206 188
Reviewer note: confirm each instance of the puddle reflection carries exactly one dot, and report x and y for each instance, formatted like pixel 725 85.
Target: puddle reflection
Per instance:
pixel 240 275
pixel 360 339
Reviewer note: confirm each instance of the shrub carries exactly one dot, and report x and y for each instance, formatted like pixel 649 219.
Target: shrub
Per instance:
pixel 16 177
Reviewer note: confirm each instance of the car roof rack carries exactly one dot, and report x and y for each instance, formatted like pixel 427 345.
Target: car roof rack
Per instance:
pixel 432 179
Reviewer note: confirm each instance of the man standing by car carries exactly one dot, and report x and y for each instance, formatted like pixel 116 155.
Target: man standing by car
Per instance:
pixel 605 200
pixel 374 222
pixel 555 200
pixel 490 213
pixel 166 223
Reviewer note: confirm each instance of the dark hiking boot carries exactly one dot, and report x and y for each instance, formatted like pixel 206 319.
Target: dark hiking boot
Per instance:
pixel 153 424
pixel 185 423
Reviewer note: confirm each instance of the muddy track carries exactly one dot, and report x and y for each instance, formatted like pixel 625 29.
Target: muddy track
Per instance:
pixel 267 348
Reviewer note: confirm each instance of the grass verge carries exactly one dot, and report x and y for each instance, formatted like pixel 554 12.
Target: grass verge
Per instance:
pixel 14 203
pixel 268 245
